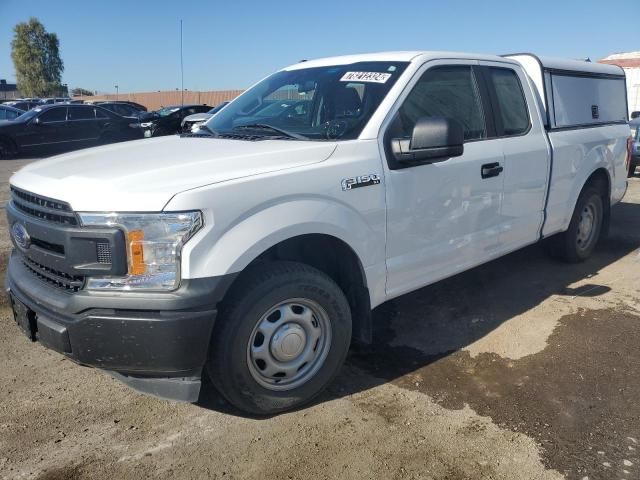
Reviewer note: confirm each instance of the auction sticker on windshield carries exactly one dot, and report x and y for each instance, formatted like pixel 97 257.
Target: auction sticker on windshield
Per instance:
pixel 373 77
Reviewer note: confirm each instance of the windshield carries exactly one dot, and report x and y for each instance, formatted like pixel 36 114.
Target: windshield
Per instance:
pixel 28 115
pixel 166 111
pixel 321 103
pixel 217 108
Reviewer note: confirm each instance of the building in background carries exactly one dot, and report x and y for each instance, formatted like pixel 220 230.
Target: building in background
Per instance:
pixel 8 91
pixel 630 62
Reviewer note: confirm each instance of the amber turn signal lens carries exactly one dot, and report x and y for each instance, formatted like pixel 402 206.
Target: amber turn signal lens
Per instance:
pixel 136 264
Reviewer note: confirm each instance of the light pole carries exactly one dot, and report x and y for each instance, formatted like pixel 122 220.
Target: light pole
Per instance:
pixel 116 92
pixel 181 69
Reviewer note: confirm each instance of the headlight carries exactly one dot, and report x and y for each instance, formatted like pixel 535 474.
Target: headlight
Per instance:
pixel 146 124
pixel 195 127
pixel 154 242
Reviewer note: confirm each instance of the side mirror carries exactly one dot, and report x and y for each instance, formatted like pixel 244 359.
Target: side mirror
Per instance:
pixel 434 139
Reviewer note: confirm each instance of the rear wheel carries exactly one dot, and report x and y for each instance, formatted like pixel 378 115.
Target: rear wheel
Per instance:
pixel 580 239
pixel 281 337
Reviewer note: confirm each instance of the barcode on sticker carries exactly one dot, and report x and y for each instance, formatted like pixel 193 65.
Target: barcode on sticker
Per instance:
pixel 373 77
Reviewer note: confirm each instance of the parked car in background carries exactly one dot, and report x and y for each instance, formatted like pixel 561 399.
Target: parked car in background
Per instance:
pixel 190 123
pixel 24 104
pixel 122 108
pixel 167 120
pixel 9 113
pixel 135 105
pixel 50 101
pixel 635 145
pixel 51 128
pixel 29 99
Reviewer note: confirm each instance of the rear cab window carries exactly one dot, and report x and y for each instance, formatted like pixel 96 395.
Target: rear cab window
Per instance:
pixel 510 106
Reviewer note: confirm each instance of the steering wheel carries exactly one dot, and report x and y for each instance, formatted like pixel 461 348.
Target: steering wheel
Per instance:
pixel 335 128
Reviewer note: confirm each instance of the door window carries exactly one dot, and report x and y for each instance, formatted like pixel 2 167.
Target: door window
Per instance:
pixel 53 115
pixel 125 110
pixel 512 116
pixel 100 113
pixel 450 92
pixel 81 113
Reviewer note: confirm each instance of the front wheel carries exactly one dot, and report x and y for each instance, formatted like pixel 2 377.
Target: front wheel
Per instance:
pixel 282 336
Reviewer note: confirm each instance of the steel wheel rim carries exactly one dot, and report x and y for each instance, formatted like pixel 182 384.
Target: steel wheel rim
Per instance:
pixel 289 344
pixel 587 226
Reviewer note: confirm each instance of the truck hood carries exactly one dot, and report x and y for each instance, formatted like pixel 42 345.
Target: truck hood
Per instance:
pixel 143 175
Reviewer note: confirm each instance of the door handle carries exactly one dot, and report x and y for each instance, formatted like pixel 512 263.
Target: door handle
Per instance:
pixel 489 170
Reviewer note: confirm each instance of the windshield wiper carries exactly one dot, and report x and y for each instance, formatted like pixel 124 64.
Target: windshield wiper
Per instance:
pixel 264 126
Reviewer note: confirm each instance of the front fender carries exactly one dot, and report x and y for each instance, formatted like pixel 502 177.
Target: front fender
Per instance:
pixel 230 251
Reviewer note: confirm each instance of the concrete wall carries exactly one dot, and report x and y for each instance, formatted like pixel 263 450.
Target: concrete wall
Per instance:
pixel 155 100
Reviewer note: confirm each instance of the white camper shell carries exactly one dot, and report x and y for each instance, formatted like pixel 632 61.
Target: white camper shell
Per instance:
pixel 576 93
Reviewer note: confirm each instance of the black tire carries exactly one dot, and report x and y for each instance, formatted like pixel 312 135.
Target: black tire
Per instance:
pixel 632 170
pixel 262 288
pixel 571 246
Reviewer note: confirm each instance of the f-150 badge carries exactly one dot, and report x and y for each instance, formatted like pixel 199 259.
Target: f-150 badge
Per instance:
pixel 360 181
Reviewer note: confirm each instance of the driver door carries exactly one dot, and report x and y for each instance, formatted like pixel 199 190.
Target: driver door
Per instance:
pixel 44 132
pixel 443 217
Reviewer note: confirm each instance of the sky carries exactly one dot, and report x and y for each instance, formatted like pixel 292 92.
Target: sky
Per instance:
pixel 135 44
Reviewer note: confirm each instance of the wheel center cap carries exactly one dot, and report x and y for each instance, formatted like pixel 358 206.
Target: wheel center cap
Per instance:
pixel 288 342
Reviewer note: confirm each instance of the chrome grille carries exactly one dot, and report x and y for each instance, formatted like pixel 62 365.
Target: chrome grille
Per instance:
pixel 61 280
pixel 103 252
pixel 43 208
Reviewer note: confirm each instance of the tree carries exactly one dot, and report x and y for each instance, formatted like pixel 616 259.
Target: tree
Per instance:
pixel 81 92
pixel 36 58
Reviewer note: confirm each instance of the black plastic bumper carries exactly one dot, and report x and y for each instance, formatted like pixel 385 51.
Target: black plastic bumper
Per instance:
pixel 145 338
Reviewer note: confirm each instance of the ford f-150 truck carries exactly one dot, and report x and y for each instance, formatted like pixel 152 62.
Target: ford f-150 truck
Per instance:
pixel 254 249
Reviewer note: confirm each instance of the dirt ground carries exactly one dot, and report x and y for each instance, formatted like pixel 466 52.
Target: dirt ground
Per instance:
pixel 523 368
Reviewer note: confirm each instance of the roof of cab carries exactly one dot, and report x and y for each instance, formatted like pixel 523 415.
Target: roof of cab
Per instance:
pixel 402 56
pixel 422 56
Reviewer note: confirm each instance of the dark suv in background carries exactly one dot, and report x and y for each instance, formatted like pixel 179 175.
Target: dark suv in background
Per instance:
pixel 52 128
pixel 167 120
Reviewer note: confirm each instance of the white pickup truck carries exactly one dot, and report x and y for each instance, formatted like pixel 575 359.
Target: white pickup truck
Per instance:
pixel 255 248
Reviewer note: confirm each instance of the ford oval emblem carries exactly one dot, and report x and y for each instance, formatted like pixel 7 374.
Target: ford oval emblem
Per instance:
pixel 20 236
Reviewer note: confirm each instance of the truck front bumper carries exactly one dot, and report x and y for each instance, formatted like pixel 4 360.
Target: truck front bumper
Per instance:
pixel 155 342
